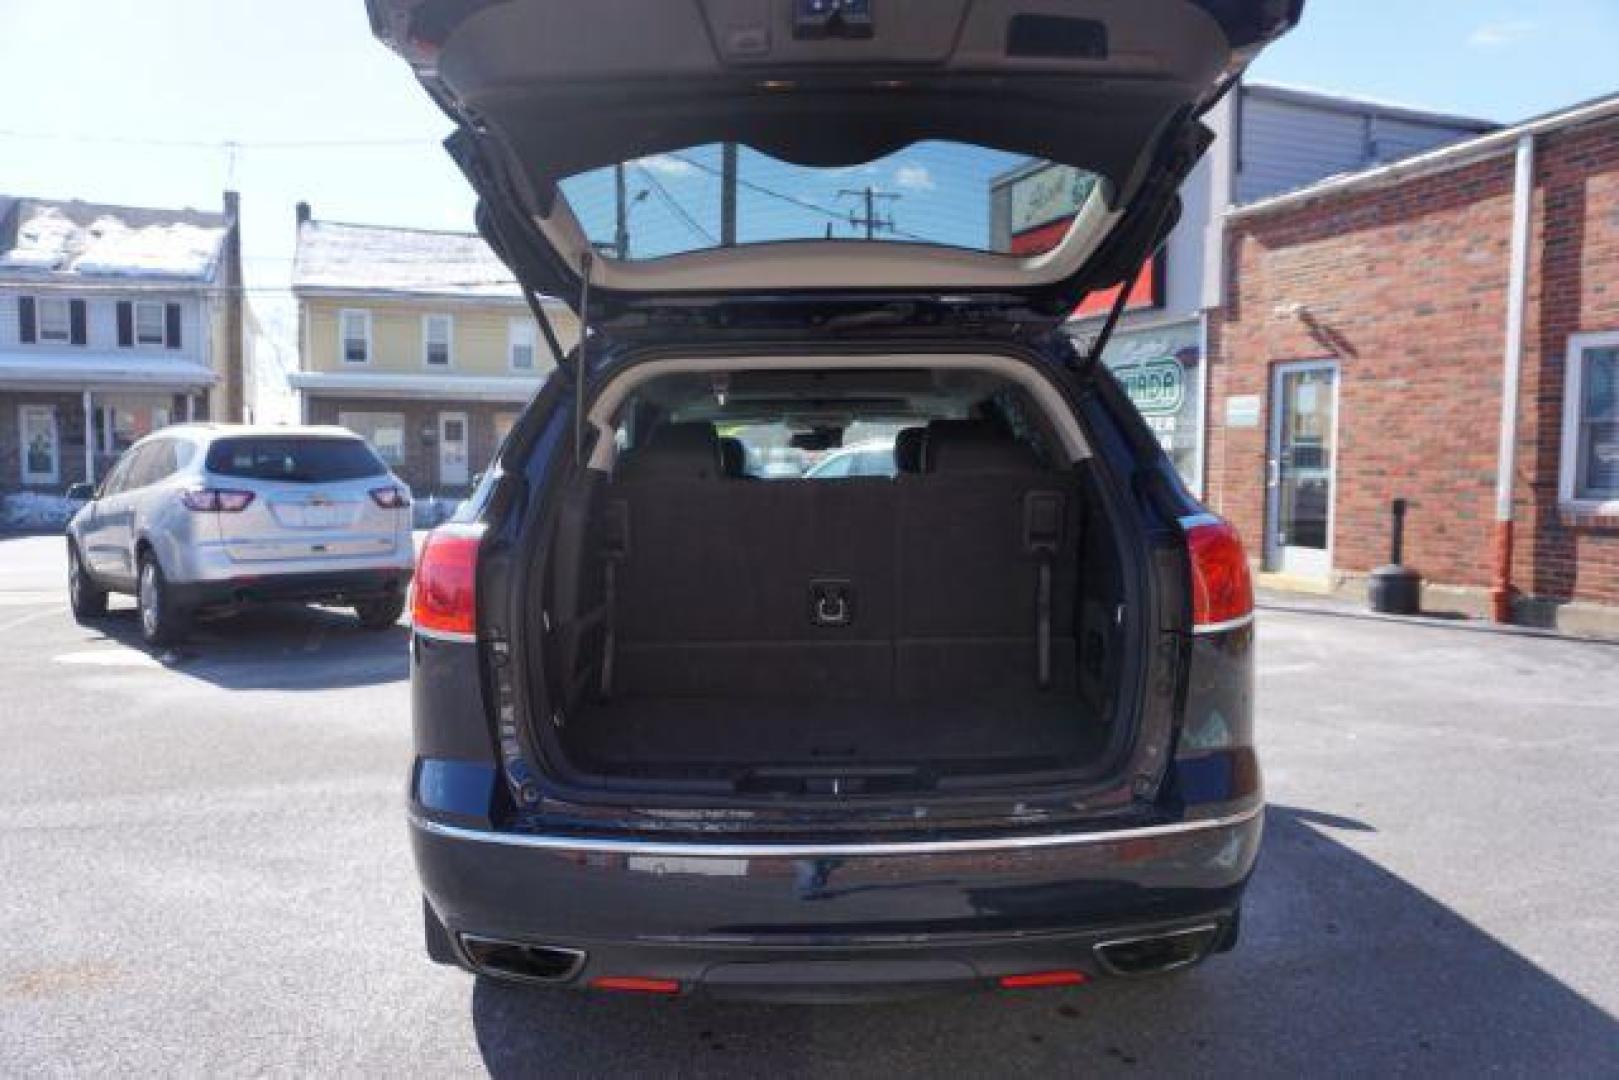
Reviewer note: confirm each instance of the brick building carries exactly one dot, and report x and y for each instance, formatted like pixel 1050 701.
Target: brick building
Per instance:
pixel 1370 325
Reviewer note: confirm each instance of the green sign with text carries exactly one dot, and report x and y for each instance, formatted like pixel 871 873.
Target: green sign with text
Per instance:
pixel 1157 387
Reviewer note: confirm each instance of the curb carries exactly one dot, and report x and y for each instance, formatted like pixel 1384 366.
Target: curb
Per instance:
pixel 1467 625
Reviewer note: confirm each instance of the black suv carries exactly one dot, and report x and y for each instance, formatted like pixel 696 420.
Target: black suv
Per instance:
pixel 692 715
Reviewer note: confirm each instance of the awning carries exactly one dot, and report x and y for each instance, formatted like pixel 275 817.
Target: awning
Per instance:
pixel 501 388
pixel 93 371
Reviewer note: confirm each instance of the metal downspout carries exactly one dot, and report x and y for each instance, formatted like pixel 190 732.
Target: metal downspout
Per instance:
pixel 1523 192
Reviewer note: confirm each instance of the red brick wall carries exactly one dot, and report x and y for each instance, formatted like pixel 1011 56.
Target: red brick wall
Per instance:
pixel 1406 288
pixel 1574 288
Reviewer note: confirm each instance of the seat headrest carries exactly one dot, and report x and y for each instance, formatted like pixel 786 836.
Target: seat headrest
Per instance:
pixel 908 446
pixel 974 446
pixel 684 451
pixel 733 458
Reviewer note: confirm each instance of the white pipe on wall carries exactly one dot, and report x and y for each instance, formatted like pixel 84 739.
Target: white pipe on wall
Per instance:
pixel 1523 193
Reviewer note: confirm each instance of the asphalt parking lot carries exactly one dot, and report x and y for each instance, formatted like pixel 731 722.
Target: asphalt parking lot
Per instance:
pixel 204 870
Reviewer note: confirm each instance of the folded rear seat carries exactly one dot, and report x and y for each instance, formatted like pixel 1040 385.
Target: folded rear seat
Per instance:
pixel 941 573
pixel 987 544
pixel 716 577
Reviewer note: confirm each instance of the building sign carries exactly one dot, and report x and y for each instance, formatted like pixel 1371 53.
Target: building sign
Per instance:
pixel 1036 209
pixel 1159 371
pixel 1158 387
pixel 1242 411
pixel 1048 194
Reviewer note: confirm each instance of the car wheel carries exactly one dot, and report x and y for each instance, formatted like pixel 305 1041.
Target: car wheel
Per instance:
pixel 381 613
pixel 163 622
pixel 86 600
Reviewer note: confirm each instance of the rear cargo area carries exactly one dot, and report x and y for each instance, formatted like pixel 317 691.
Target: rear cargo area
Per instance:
pixel 952 620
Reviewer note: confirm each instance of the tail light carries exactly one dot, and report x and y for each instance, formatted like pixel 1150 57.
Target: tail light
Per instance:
pixel 217 500
pixel 1222 588
pixel 444 590
pixel 391 497
pixel 635 984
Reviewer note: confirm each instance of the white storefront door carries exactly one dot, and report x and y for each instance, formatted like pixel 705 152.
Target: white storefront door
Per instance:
pixel 1301 468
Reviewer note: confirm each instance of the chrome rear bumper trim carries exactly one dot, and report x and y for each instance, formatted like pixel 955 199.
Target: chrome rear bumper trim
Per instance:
pixel 816 851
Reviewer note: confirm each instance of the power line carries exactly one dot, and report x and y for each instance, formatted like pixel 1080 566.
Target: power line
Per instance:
pixel 215 144
pixel 674 204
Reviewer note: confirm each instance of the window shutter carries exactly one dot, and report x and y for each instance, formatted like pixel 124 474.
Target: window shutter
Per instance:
pixel 77 332
pixel 27 331
pixel 126 323
pixel 171 324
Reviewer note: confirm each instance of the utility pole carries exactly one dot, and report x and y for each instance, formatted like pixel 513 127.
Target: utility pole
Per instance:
pixel 728 159
pixel 871 222
pixel 621 233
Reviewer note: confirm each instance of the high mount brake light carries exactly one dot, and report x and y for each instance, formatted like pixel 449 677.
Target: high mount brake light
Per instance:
pixel 1222 588
pixel 445 588
pixel 217 500
pixel 391 497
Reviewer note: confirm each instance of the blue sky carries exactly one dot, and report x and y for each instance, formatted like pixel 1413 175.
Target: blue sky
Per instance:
pixel 134 99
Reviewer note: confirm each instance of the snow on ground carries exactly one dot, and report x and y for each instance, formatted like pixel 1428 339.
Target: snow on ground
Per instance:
pixel 29 511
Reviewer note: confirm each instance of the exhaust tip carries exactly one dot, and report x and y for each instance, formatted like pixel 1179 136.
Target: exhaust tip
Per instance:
pixel 519 961
pixel 1155 954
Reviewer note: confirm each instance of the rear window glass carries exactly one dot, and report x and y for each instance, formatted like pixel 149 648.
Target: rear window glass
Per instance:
pixel 942 193
pixel 294 460
pixel 776 451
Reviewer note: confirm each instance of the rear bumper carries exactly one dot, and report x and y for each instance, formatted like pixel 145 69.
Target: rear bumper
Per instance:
pixel 337 586
pixel 837 921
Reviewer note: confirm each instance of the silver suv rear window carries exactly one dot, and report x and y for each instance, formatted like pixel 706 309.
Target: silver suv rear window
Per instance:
pixel 294 460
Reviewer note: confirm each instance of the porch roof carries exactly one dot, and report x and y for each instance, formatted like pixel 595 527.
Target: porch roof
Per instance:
pixel 502 388
pixel 93 370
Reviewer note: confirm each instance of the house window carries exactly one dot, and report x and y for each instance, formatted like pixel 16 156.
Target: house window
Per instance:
pixel 355 330
pixel 1590 466
pixel 149 320
pixel 385 431
pixel 55 320
pixel 436 334
pixel 521 337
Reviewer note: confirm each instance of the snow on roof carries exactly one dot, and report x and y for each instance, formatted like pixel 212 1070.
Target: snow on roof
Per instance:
pixel 40 237
pixel 374 259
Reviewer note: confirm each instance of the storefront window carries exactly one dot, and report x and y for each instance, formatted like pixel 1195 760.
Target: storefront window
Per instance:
pixel 1160 370
pixel 385 431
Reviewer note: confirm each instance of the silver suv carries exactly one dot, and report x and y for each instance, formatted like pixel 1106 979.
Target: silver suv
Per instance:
pixel 218 515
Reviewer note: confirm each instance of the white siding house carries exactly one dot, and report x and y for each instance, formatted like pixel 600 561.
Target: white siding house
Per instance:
pixel 114 321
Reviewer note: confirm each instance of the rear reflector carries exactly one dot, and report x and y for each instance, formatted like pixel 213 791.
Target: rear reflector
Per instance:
pixel 446 581
pixel 1036 979
pixel 217 500
pixel 1222 589
pixel 635 984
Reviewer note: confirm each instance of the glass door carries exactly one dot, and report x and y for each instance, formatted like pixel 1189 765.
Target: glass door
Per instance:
pixel 1299 468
